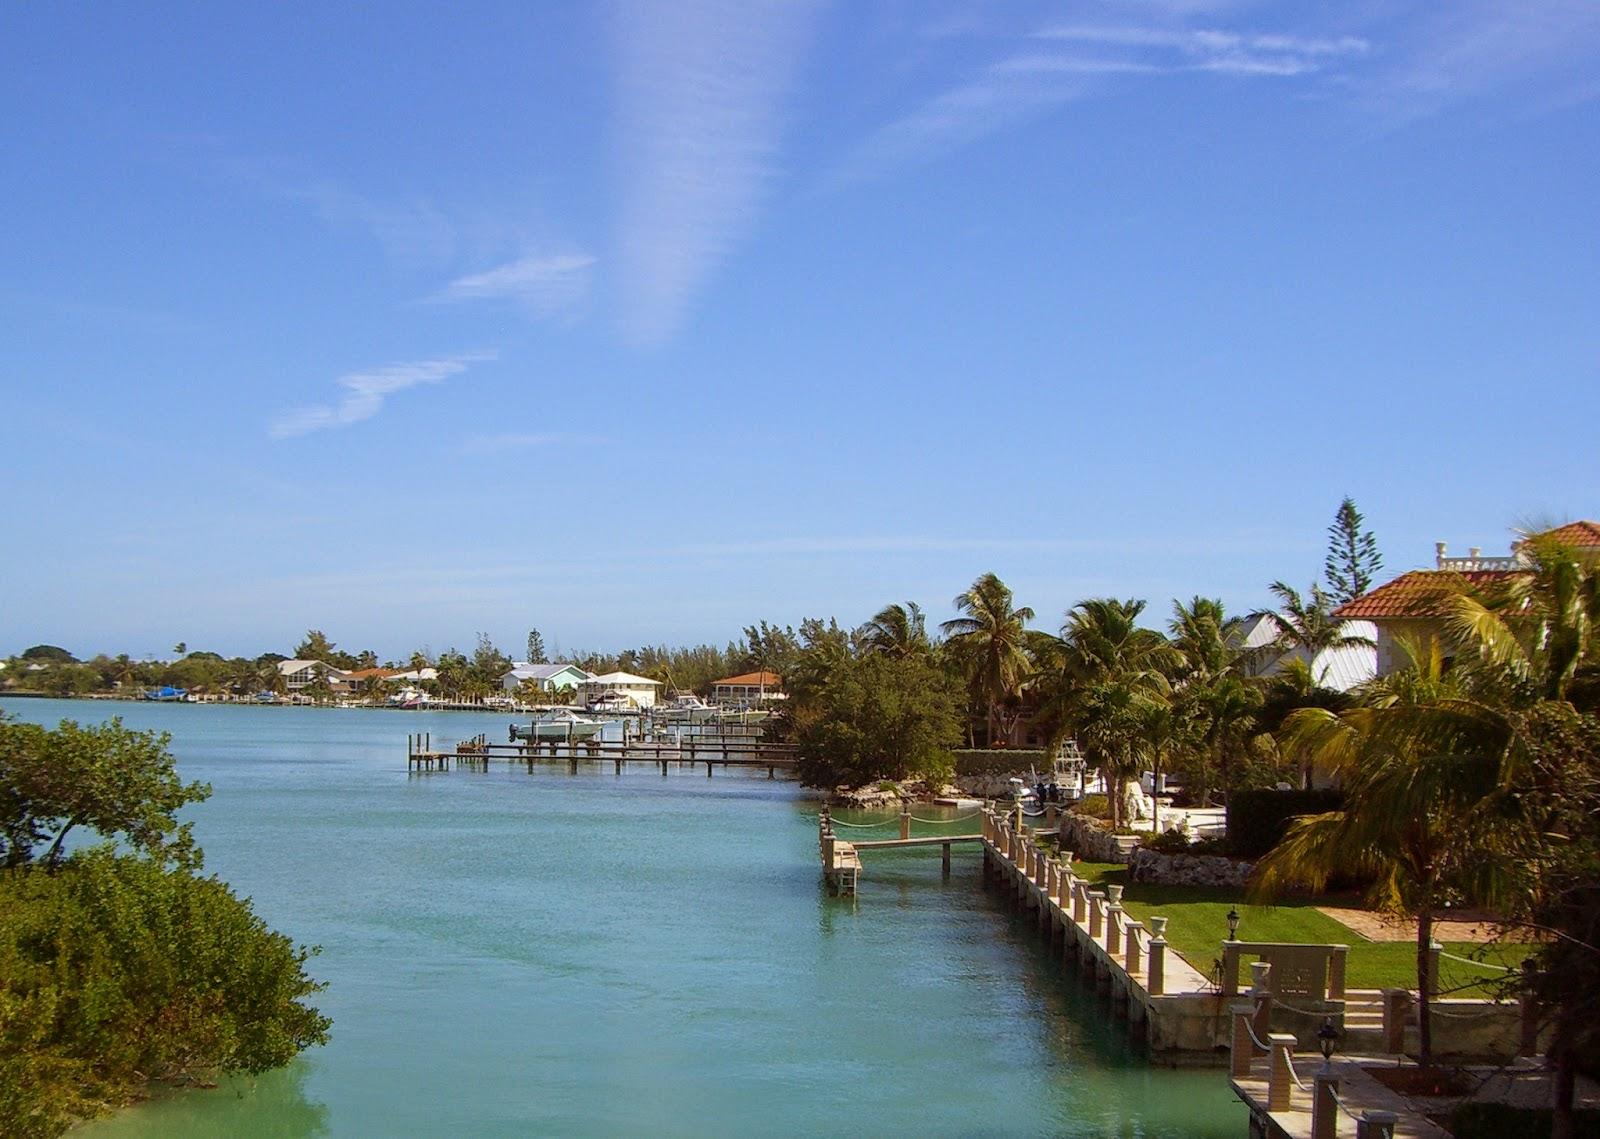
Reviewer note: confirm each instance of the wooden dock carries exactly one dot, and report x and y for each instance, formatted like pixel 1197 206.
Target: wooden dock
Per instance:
pixel 841 860
pixel 477 753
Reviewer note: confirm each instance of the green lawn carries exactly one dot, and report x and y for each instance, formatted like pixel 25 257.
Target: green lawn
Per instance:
pixel 1197 922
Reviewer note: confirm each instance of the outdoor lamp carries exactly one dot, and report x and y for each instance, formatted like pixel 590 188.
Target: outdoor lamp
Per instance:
pixel 1327 1036
pixel 1233 924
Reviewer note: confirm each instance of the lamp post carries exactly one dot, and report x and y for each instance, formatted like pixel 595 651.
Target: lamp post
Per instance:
pixel 1233 924
pixel 1327 1037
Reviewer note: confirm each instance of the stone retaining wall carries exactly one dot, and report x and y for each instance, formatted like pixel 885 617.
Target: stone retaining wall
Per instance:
pixel 1187 869
pixel 1090 842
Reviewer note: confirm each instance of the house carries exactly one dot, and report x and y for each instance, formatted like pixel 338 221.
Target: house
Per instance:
pixel 1409 606
pixel 300 674
pixel 1340 669
pixel 747 689
pixel 547 677
pixel 362 679
pixel 622 689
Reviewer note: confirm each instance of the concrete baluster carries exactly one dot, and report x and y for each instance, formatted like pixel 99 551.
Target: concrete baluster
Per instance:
pixel 1096 914
pixel 1336 965
pixel 905 820
pixel 1261 994
pixel 1157 979
pixel 1080 894
pixel 1113 929
pixel 1131 962
pixel 1280 1083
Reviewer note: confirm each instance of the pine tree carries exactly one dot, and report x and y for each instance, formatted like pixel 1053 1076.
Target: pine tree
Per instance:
pixel 536 648
pixel 1353 560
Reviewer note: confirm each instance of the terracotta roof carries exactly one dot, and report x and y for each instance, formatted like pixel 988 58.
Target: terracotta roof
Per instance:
pixel 751 680
pixel 1582 535
pixel 381 673
pixel 1413 594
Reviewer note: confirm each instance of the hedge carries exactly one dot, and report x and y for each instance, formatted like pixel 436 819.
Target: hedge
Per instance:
pixel 1258 819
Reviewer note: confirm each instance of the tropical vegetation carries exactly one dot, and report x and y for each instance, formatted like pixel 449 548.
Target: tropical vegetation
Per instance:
pixel 120 964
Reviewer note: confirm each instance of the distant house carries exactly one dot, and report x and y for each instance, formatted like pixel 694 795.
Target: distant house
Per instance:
pixel 548 677
pixel 362 679
pixel 300 674
pixel 1340 669
pixel 747 689
pixel 621 688
pixel 1409 606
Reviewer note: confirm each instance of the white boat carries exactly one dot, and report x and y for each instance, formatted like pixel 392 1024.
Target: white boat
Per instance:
pixel 558 726
pixel 685 710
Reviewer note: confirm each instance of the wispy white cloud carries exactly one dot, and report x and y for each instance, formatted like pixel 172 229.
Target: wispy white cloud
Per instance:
pixel 701 108
pixel 548 286
pixel 365 393
pixel 1542 51
pixel 1063 63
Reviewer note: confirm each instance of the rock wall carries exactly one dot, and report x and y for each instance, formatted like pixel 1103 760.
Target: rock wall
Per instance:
pixel 1187 869
pixel 1090 842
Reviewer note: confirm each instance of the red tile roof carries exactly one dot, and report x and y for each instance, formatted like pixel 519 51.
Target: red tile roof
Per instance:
pixel 750 680
pixel 1581 535
pixel 1414 594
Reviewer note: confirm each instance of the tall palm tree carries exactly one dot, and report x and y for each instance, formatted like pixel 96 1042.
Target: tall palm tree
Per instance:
pixel 989 639
pixel 1425 763
pixel 1107 683
pixel 1306 624
pixel 897 631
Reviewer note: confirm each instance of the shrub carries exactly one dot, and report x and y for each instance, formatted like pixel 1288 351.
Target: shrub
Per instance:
pixel 1094 807
pixel 1258 819
pixel 115 970
pixel 1170 842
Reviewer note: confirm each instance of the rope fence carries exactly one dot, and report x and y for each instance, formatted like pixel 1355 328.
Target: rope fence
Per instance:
pixel 1479 964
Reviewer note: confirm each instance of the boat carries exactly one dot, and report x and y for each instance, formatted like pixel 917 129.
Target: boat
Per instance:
pixel 688 709
pixel 562 725
pixel 266 697
pixel 167 694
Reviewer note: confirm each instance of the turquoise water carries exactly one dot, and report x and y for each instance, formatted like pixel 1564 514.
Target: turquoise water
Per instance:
pixel 599 955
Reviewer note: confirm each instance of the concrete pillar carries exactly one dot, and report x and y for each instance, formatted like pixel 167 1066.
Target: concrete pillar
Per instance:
pixel 1241 1052
pixel 1080 894
pixel 1280 1081
pixel 1336 966
pixel 1376 1124
pixel 1157 979
pixel 1095 915
pixel 1396 1013
pixel 905 820
pixel 1113 928
pixel 1131 962
pixel 1324 1108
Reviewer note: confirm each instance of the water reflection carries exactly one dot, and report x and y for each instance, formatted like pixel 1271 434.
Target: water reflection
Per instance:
pixel 275 1104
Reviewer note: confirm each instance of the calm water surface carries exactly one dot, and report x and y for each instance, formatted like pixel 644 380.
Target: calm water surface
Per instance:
pixel 591 955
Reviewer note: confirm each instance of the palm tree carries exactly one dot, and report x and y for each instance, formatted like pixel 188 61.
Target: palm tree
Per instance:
pixel 1306 624
pixel 1107 683
pixel 897 631
pixel 989 640
pixel 1425 763
pixel 1537 627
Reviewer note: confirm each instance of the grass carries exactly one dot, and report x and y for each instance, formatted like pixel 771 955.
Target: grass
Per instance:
pixel 1197 923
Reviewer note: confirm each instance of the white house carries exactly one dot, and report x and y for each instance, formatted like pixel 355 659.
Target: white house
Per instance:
pixel 747 689
pixel 298 674
pixel 634 691
pixel 548 677
pixel 1340 669
pixel 1408 608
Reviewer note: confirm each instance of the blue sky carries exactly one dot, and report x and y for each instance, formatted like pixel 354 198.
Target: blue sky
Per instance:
pixel 640 322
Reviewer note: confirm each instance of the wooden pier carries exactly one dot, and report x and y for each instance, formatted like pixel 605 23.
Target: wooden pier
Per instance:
pixel 477 753
pixel 841 860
